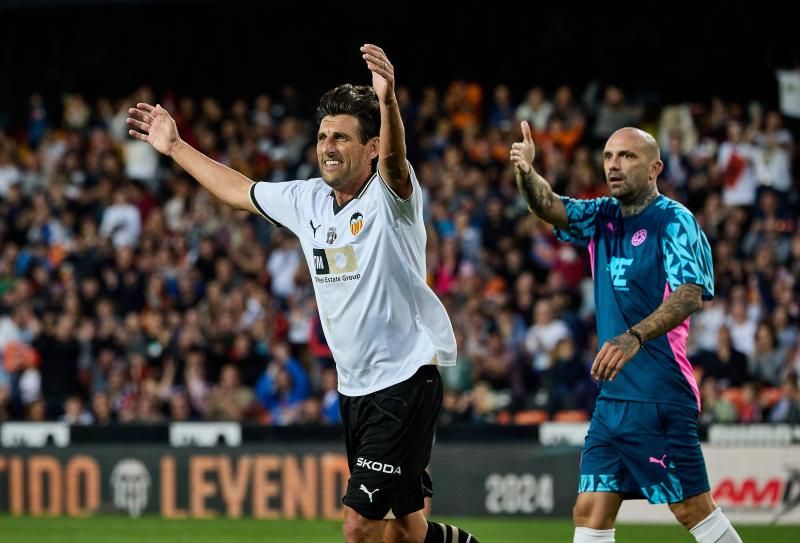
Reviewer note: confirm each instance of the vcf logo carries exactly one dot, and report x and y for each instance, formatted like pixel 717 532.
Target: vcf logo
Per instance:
pixel 130 482
pixel 356 223
pixel 618 266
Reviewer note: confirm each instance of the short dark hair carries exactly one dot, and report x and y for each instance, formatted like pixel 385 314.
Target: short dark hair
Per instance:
pixel 360 101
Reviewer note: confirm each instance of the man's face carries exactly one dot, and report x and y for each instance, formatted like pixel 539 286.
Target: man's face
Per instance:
pixel 628 168
pixel 343 159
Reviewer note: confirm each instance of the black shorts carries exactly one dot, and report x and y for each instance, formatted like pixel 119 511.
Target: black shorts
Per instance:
pixel 389 435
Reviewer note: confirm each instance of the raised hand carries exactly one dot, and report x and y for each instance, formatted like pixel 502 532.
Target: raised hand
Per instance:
pixel 523 152
pixel 382 71
pixel 153 125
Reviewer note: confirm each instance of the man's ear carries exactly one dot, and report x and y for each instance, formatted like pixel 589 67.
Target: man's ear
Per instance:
pixel 657 167
pixel 374 147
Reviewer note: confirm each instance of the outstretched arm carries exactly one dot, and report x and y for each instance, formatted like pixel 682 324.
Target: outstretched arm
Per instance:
pixel 538 194
pixel 392 163
pixel 155 126
pixel 617 351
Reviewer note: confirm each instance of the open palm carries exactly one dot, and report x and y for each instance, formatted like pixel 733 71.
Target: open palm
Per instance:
pixel 382 71
pixel 154 125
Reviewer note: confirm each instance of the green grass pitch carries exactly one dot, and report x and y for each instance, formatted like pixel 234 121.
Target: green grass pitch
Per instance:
pixel 488 530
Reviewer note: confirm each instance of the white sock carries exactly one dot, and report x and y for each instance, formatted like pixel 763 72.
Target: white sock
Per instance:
pixel 588 535
pixel 715 528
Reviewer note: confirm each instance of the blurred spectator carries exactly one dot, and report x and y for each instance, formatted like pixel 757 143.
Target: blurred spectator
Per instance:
pixel 283 264
pixel 772 165
pixel 743 328
pixel 101 408
pixel 767 360
pixel 36 411
pixel 788 407
pixel 180 409
pixel 5 402
pixel 567 380
pixel 614 113
pixel 749 409
pixel 75 413
pixel 229 400
pixel 283 387
pixel 676 131
pixel 543 336
pixel 501 112
pixel 724 363
pixel 677 166
pixel 59 352
pixel 121 221
pixel 735 168
pixel 715 408
pixel 535 109
pixel 329 412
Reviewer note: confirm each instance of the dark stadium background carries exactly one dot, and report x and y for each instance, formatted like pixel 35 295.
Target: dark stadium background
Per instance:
pixel 668 50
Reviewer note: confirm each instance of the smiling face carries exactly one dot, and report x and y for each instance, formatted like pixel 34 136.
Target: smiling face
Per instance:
pixel 344 159
pixel 631 162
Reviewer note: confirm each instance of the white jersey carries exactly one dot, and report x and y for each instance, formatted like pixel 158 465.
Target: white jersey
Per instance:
pixel 367 264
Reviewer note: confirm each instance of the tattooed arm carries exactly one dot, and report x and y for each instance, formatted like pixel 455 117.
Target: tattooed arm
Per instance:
pixel 541 199
pixel 617 351
pixel 686 299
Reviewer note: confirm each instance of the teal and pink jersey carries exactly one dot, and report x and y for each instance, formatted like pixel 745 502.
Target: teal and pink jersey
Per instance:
pixel 637 262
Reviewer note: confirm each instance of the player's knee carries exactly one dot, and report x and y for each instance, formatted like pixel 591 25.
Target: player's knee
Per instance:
pixel 687 514
pixel 681 512
pixel 399 533
pixel 358 529
pixel 582 513
pixel 355 533
pixel 590 512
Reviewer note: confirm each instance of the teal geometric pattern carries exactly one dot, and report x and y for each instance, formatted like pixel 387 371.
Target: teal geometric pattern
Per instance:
pixel 664 203
pixel 598 483
pixel 581 219
pixel 669 491
pixel 687 254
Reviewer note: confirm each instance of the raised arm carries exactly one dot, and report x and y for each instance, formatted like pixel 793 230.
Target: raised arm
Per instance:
pixel 617 351
pixel 392 163
pixel 155 126
pixel 541 200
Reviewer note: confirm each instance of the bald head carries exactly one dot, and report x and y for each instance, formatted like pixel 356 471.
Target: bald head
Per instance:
pixel 632 164
pixel 639 139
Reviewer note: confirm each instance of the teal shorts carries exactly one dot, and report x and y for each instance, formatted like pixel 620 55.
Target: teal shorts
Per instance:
pixel 643 450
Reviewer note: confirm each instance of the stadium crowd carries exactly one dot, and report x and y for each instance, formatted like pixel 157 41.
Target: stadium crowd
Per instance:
pixel 129 295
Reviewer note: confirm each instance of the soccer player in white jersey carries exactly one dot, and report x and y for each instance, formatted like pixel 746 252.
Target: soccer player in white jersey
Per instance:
pixel 363 238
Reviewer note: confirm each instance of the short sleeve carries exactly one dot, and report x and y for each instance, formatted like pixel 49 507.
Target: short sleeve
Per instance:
pixel 405 210
pixel 582 219
pixel 277 202
pixel 687 254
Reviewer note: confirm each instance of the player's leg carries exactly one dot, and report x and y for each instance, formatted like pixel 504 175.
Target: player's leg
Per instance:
pixel 359 529
pixel 603 478
pixel 423 398
pixel 704 520
pixel 389 435
pixel 697 510
pixel 410 528
pixel 594 516
pixel 675 473
pixel 596 510
pixel 414 528
pixel 364 510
